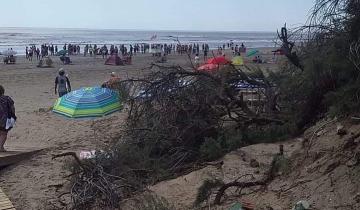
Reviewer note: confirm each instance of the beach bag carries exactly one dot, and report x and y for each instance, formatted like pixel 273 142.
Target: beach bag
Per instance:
pixel 11 118
pixel 10 123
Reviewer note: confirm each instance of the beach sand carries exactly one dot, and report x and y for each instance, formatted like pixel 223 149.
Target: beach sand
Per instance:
pixel 37 182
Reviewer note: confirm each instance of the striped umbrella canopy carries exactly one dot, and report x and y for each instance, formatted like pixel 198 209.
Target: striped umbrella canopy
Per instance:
pixel 88 102
pixel 252 52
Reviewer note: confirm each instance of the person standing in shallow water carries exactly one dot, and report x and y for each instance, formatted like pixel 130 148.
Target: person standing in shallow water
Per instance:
pixel 7 111
pixel 62 83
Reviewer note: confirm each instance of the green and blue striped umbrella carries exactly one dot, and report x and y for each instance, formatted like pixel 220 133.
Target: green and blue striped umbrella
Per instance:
pixel 88 102
pixel 252 52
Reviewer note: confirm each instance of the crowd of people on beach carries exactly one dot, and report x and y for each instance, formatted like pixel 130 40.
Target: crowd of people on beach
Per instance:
pixel 122 49
pixel 72 49
pixel 131 49
pixel 43 51
pixel 160 50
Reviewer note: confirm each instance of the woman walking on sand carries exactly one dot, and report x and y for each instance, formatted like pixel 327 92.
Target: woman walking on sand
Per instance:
pixel 7 117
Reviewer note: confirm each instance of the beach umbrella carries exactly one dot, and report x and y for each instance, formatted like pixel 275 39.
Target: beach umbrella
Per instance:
pixel 237 61
pixel 9 52
pixel 208 67
pixel 221 60
pixel 61 52
pixel 252 52
pixel 88 102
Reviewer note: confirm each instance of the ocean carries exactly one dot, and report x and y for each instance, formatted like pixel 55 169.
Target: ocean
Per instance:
pixel 19 38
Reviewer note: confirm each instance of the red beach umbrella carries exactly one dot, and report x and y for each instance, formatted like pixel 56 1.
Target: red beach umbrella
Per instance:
pixel 221 60
pixel 208 67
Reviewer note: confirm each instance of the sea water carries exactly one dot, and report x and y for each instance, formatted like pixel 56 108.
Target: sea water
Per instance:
pixel 19 38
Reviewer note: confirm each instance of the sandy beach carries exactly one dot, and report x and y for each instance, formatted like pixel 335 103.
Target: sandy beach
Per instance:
pixel 36 183
pixel 29 183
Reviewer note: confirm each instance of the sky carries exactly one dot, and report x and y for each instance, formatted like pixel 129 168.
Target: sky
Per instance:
pixel 198 15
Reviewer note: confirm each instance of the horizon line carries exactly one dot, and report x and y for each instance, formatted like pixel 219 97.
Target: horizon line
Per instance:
pixel 150 30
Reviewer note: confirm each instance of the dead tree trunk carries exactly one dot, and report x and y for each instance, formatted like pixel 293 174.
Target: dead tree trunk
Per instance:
pixel 287 48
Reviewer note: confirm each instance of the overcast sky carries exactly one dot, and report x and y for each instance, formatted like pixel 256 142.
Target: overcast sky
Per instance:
pixel 202 15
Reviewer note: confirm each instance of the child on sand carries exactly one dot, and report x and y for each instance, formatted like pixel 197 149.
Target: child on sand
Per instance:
pixel 7 117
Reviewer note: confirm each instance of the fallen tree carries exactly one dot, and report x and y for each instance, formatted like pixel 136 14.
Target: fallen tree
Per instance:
pixel 172 114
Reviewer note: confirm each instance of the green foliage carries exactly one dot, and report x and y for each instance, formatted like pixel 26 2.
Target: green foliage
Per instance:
pixel 211 149
pixel 280 165
pixel 270 134
pixel 228 141
pixel 345 100
pixel 329 82
pixel 233 139
pixel 206 189
pixel 328 78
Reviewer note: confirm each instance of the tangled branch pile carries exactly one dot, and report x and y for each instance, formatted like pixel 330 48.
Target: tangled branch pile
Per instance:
pixel 174 111
pixel 175 116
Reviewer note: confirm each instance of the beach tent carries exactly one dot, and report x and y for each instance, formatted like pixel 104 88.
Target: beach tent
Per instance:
pixel 252 52
pixel 221 60
pixel 237 61
pixel 208 67
pixel 88 102
pixel 114 60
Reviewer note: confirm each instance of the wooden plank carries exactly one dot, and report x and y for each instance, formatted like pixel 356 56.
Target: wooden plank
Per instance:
pixel 2 196
pixel 6 206
pixel 5 203
pixel 21 148
pixel 16 154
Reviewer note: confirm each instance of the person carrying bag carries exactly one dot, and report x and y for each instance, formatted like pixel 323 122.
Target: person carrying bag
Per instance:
pixel 7 117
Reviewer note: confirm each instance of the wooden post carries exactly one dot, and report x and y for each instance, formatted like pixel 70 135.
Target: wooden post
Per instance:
pixel 281 149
